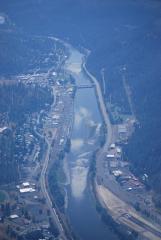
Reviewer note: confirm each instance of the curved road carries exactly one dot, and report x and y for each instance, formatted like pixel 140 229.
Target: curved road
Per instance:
pixel 46 194
pixel 152 231
pixel 105 116
pixel 44 189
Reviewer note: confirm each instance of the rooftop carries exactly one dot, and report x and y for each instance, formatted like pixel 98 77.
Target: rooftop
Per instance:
pixel 26 190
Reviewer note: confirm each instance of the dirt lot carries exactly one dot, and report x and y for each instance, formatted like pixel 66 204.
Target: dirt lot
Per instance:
pixel 127 215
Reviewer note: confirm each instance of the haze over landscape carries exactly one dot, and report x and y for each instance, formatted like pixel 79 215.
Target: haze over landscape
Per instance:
pixel 80 115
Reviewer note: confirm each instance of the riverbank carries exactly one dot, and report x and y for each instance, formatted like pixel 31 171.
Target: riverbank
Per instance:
pixel 85 139
pixel 121 231
pixel 118 210
pixel 89 113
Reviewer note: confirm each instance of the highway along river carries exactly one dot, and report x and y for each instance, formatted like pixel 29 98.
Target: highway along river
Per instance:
pixel 81 209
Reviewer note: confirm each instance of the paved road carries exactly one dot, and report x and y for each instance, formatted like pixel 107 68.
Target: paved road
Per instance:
pixel 43 182
pixel 109 136
pixel 109 139
pixel 46 194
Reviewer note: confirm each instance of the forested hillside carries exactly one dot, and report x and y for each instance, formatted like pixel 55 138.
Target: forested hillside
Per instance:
pixel 23 53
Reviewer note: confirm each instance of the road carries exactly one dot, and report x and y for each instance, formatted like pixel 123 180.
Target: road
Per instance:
pixel 46 194
pixel 109 136
pixel 43 185
pixel 149 230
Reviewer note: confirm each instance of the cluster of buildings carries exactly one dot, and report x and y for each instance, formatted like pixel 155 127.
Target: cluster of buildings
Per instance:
pixel 26 144
pixel 26 187
pixel 29 216
pixel 29 213
pixel 120 169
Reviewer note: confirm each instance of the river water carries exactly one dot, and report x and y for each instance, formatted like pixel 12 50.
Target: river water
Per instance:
pixel 81 209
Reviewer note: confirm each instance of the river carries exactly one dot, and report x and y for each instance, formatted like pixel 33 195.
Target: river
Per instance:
pixel 81 210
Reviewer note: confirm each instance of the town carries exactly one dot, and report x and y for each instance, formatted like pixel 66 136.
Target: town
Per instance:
pixel 27 209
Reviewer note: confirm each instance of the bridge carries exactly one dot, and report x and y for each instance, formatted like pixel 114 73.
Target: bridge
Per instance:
pixel 85 86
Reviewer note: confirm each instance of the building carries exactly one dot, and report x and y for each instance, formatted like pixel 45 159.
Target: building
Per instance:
pixel 110 156
pixel 117 173
pixel 25 184
pixel 27 190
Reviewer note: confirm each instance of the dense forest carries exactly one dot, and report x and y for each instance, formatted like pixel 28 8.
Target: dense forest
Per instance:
pixel 23 53
pixel 119 34
pixel 19 100
pixel 8 164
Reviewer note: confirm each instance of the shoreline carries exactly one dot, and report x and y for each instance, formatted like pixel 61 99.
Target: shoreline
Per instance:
pixel 151 231
pixel 102 195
